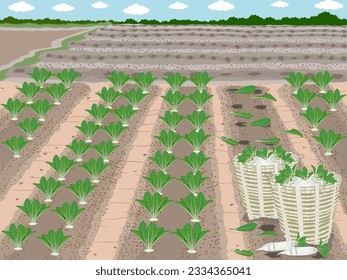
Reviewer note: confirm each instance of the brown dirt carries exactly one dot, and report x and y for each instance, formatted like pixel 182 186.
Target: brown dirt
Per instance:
pixel 86 226
pixel 173 216
pixel 12 169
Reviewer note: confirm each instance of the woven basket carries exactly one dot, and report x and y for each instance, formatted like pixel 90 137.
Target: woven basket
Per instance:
pixel 255 187
pixel 307 211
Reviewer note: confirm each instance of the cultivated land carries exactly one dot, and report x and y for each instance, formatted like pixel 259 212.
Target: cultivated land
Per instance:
pixel 235 56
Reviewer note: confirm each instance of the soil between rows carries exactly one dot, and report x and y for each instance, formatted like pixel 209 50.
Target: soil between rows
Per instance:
pixel 337 122
pixel 12 169
pixel 248 134
pixel 86 225
pixel 173 216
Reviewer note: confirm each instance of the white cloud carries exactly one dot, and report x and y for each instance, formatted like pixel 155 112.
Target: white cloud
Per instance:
pixel 280 4
pixel 221 6
pixel 178 6
pixel 329 5
pixel 136 10
pixel 21 6
pixel 99 5
pixel 63 7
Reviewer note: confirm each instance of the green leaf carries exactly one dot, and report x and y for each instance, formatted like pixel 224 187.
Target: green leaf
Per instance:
pixel 266 233
pixel 67 77
pixel 54 240
pixel 154 204
pixel 301 241
pixel 269 141
pixel 242 115
pixel 247 253
pixel 323 249
pixel 246 90
pixel 265 96
pixel 230 141
pixel 118 79
pixel 294 132
pixel 247 227
pixel 262 122
pixel 144 81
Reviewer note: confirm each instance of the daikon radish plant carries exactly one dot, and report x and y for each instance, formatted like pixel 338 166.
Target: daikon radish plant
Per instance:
pixel 191 236
pixel 304 97
pixel 149 235
pixel 69 213
pixel 196 139
pixel 56 91
pixel 277 246
pixel 41 108
pixel 163 160
pixel 18 235
pixel 48 187
pixel 54 240
pixel 322 80
pixel 134 97
pixel 16 145
pixel 29 91
pixel 200 80
pixel 175 80
pixel 199 99
pixel 67 77
pixel 88 129
pixel 95 168
pixel 144 81
pixel 296 81
pixel 105 149
pixel 154 204
pixel 118 79
pixel 250 153
pixel 33 210
pixel 14 107
pixel 29 127
pixel 81 189
pixel 124 114
pixel 168 139
pixel 322 249
pixel 62 165
pixel 198 119
pixel 99 113
pixel 196 161
pixel 158 180
pixel 332 98
pixel 114 130
pixel 194 205
pixel 109 96
pixel 174 99
pixel 79 149
pixel 172 120
pixel 41 76
pixel 328 140
pixel 315 117
pixel 193 182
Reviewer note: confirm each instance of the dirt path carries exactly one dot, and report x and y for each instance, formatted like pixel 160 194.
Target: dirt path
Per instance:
pixel 12 169
pixel 173 216
pixel 38 167
pixel 112 222
pixel 8 89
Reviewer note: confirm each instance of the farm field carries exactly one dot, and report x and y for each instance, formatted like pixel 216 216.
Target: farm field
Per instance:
pixel 139 150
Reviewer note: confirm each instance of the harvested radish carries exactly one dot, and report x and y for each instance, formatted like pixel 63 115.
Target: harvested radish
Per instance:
pixel 300 251
pixel 277 246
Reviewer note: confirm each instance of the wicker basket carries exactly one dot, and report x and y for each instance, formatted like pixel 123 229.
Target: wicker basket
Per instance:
pixel 255 187
pixel 307 211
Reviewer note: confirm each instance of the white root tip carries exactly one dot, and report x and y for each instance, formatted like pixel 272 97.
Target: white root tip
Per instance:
pixel 149 250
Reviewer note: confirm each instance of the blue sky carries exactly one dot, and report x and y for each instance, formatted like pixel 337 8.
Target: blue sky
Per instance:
pixel 159 9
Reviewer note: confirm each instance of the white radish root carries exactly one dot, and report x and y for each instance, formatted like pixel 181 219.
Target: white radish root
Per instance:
pixel 300 251
pixel 277 246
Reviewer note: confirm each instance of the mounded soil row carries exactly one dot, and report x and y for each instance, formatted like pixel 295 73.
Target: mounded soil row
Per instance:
pixel 209 45
pixel 183 58
pixel 239 129
pixel 337 122
pixel 212 246
pixel 12 169
pixel 86 225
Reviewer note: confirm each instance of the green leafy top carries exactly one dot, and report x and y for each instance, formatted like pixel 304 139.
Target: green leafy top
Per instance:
pixel 249 153
pixel 288 174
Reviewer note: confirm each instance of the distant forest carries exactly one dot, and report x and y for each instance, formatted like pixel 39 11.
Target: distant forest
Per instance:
pixel 321 19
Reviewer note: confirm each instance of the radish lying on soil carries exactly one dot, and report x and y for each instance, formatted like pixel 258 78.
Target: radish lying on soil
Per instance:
pixel 277 246
pixel 300 251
